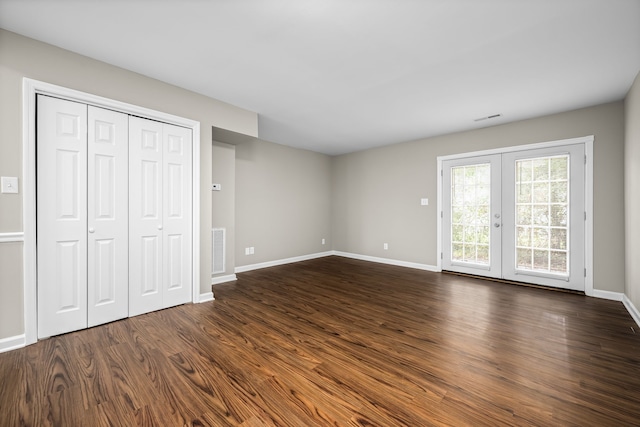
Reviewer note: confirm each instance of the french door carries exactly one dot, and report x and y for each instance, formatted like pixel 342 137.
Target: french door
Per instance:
pixel 517 216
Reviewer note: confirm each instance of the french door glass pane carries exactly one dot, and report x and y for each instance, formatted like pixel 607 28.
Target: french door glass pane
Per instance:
pixel 542 214
pixel 470 216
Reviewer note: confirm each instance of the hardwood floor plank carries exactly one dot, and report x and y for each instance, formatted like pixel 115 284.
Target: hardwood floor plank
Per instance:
pixel 340 342
pixel 261 420
pixel 95 381
pixel 231 411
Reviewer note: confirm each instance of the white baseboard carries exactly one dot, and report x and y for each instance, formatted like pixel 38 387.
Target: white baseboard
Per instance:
pixel 633 311
pixel 399 263
pixel 207 296
pixel 223 279
pixel 12 343
pixel 613 296
pixel 250 267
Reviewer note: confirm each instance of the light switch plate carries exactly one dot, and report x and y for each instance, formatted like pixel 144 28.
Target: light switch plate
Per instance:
pixel 9 184
pixel 424 202
pixel 216 187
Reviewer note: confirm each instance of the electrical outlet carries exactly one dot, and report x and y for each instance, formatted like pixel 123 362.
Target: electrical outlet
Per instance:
pixel 249 251
pixel 323 241
pixel 385 246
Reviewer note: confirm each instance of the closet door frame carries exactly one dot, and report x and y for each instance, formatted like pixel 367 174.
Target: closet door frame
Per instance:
pixel 588 195
pixel 32 88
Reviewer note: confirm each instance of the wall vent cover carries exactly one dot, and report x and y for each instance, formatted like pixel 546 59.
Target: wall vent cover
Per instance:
pixel 218 241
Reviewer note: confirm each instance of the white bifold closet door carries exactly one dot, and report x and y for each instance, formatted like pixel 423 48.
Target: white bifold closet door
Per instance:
pixel 114 215
pixel 82 216
pixel 160 216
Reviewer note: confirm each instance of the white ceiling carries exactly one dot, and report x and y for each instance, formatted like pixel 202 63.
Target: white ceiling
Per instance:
pixel 337 76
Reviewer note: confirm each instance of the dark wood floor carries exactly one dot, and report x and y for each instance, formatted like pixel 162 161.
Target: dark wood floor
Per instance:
pixel 335 341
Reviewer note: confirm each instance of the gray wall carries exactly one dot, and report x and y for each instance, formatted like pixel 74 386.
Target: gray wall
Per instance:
pixel 23 57
pixel 11 291
pixel 283 200
pixel 224 201
pixel 632 192
pixel 376 192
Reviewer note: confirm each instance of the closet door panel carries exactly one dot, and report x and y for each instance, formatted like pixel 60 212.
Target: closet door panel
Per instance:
pixel 108 216
pixel 145 216
pixel 61 216
pixel 177 215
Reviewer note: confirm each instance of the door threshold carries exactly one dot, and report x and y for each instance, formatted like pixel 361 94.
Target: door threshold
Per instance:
pixel 513 282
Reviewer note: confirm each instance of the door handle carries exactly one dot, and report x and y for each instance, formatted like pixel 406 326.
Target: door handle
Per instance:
pixel 496 225
pixel 92 230
pixel 160 227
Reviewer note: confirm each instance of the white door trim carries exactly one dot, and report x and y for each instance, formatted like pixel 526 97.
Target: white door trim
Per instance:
pixel 30 88
pixel 588 142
